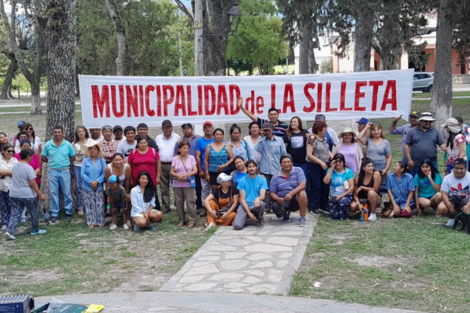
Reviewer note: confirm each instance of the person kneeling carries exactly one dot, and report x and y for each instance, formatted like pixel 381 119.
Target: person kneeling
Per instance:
pixel 252 189
pixel 427 187
pixel 117 200
pixel 143 211
pixel 287 191
pixel 367 187
pixel 400 186
pixel 222 203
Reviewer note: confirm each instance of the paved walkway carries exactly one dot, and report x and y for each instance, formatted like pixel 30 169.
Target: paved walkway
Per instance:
pixel 252 260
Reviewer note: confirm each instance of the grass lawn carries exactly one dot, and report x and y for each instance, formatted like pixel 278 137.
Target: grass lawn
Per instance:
pixel 28 109
pixel 429 95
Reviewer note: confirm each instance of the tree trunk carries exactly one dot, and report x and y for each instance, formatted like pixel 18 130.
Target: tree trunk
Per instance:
pixel 388 61
pixel 441 103
pixel 364 31
pixel 304 47
pixel 6 89
pixel 36 97
pixel 121 37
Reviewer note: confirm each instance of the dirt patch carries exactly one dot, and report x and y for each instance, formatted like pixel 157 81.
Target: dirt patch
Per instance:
pixel 379 261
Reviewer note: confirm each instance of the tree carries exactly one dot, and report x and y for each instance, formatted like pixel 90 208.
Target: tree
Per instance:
pixel 121 36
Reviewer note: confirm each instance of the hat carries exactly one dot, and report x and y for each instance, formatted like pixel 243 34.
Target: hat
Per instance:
pixel 21 123
pixel 453 125
pixel 117 127
pixel 186 125
pixel 85 152
pixel 267 125
pixel 223 178
pixel 363 120
pixel 166 123
pixel 426 116
pixel 414 113
pixel 347 130
pixel 143 125
pixel 112 179
pixel 320 117
pixel 206 123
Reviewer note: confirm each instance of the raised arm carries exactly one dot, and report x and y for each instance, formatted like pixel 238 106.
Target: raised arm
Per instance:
pixel 244 110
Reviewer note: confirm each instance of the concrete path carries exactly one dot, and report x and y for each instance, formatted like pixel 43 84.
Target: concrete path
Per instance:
pixel 253 260
pixel 183 302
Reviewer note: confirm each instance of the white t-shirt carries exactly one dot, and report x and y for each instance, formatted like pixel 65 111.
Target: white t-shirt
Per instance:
pixel 166 147
pixel 457 187
pixel 78 154
pixel 125 148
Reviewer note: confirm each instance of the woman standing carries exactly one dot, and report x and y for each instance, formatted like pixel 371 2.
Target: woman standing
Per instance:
pixel 239 148
pixel 427 187
pixel 367 185
pixel 456 144
pixel 400 189
pixel 222 203
pixel 219 156
pixel 295 140
pixel 351 150
pixel 144 159
pixel 143 196
pixel 81 138
pixel 240 170
pixel 35 140
pixel 341 180
pixel 378 150
pixel 6 166
pixel 253 139
pixel 183 171
pixel 92 173
pixel 319 156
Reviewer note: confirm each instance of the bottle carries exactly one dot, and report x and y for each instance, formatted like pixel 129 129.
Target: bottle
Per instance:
pixel 108 209
pixel 365 212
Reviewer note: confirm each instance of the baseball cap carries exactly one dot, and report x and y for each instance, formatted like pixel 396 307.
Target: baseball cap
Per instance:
pixel 117 127
pixel 207 123
pixel 186 125
pixel 363 120
pixel 21 123
pixel 414 113
pixel 223 178
pixel 112 179
pixel 267 125
pixel 166 123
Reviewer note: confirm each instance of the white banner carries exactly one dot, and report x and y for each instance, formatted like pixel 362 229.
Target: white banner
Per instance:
pixel 126 100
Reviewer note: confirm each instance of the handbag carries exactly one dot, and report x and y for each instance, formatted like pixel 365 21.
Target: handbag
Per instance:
pixel 192 179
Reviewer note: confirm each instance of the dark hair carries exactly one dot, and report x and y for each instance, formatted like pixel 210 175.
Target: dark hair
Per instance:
pixel 376 125
pixel 431 165
pixel 139 139
pixel 273 109
pixel 251 124
pixel 251 162
pixel 2 133
pixel 339 157
pixel 318 126
pixel 182 144
pixel 22 142
pixel 238 157
pixel 149 191
pixel 218 129
pixel 27 125
pixel 21 133
pixel 1 145
pixel 364 163
pixel 459 119
pixel 25 153
pixel 403 166
pixel 142 125
pixel 6 146
pixel 289 129
pixel 450 140
pixel 235 126
pixel 129 128
pixel 115 155
pixel 460 161
pixel 87 135
pixel 59 127
pixel 286 156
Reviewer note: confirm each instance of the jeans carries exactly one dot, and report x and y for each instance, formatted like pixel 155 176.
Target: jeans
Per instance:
pixel 60 179
pixel 242 216
pixel 78 187
pixel 17 206
pixel 318 197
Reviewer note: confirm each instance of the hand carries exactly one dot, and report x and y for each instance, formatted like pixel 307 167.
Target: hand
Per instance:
pixel 252 217
pixel 466 210
pixel 411 164
pixel 311 139
pixel 240 102
pixel 220 168
pixel 72 174
pixel 369 125
pixel 428 174
pixel 213 214
pixel 384 171
pixel 407 208
pixel 257 202
pixel 42 198
pixel 128 196
pixel 157 180
pixel 94 185
pixel 397 119
pixel 208 178
pixel 332 165
pixel 288 197
pixel 419 213
pixel 396 209
pixel 181 178
pixel 324 166
pixel 202 174
pixel 280 200
pixel 224 216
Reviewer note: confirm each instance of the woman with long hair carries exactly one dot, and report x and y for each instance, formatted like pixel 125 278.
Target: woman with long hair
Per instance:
pixel 367 185
pixel 143 200
pixel 239 147
pixel 123 172
pixel 456 143
pixel 427 187
pixel 219 157
pixel 351 150
pixel 253 139
pixel 295 140
pixel 400 187
pixel 240 170
pixel 6 166
pixel 81 138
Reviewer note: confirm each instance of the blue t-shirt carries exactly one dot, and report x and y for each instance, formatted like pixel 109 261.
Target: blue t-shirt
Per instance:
pixel 58 157
pixel 239 176
pixel 201 145
pixel 425 188
pixel 337 187
pixel 252 187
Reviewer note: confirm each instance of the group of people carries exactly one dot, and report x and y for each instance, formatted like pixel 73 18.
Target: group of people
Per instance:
pixel 278 168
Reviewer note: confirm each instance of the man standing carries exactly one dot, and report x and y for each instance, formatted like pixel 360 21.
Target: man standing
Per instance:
pixel 455 191
pixel 109 145
pixel 95 134
pixel 271 149
pixel 59 155
pixel 287 190
pixel 201 145
pixel 166 149
pixel 117 132
pixel 279 128
pixel 421 142
pixel 126 146
pixel 253 189
pixel 142 131
pixel 403 130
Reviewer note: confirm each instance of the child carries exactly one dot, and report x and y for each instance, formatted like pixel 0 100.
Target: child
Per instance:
pixel 117 201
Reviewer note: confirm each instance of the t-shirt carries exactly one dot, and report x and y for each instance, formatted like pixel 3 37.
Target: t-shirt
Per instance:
pixel 143 162
pixel 350 157
pixel 378 153
pixel 321 150
pixel 116 195
pixel 20 187
pixel 238 177
pixel 125 148
pixel 454 153
pixel 252 187
pixel 423 144
pixel 457 189
pixel 182 169
pixel 425 188
pixel 296 146
pixel 219 194
pixel 201 145
pixel 282 185
pixel 338 180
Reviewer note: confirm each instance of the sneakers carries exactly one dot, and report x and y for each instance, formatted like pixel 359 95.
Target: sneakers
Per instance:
pixel 38 232
pixel 316 211
pixel 372 217
pixel 203 213
pixel 199 210
pixel 286 217
pixel 136 228
pixel 69 218
pixel 80 213
pixel 4 228
pixel 166 211
pixel 54 221
pixel 450 223
pixel 114 226
pixel 9 236
pixel 302 221
pixel 152 227
pixel 125 226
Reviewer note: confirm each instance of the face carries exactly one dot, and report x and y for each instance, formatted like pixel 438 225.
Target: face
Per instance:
pixel 95 133
pixel 459 170
pixel 397 168
pixel 58 134
pixel 208 129
pixel 25 146
pixel 184 150
pixel 130 135
pixel 323 131
pixel 81 133
pixel 187 131
pixel 142 131
pixel 347 138
pixel 22 137
pixel 286 164
pixel 167 131
pixel 227 184
pixel 118 134
pixel 107 134
pixel 273 116
pixel 252 169
pixel 219 136
pixel 93 151
pixel 143 181
pixel 239 164
pixel 8 153
pixel 376 131
pixel 425 168
pixel 262 132
pixel 339 164
pixel 29 130
pixel 413 120
pixel 142 145
pixel 113 185
pixel 426 124
pixel 117 161
pixel 268 132
pixel 235 134
pixel 361 126
pixel 3 139
pixel 369 168
pixel 254 129
pixel 294 123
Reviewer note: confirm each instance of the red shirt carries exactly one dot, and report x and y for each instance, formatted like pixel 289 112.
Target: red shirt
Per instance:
pixel 143 162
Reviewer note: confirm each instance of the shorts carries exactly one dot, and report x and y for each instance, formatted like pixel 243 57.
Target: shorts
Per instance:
pixel 141 215
pixel 118 206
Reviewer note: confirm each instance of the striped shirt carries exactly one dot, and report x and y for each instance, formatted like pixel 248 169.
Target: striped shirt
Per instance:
pixel 281 185
pixel 278 130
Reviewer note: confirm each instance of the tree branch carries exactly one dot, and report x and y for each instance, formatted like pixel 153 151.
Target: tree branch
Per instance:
pixel 425 31
pixel 183 9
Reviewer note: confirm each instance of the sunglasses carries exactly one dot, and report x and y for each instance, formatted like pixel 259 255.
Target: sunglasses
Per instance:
pixel 29 128
pixel 10 151
pixel 427 122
